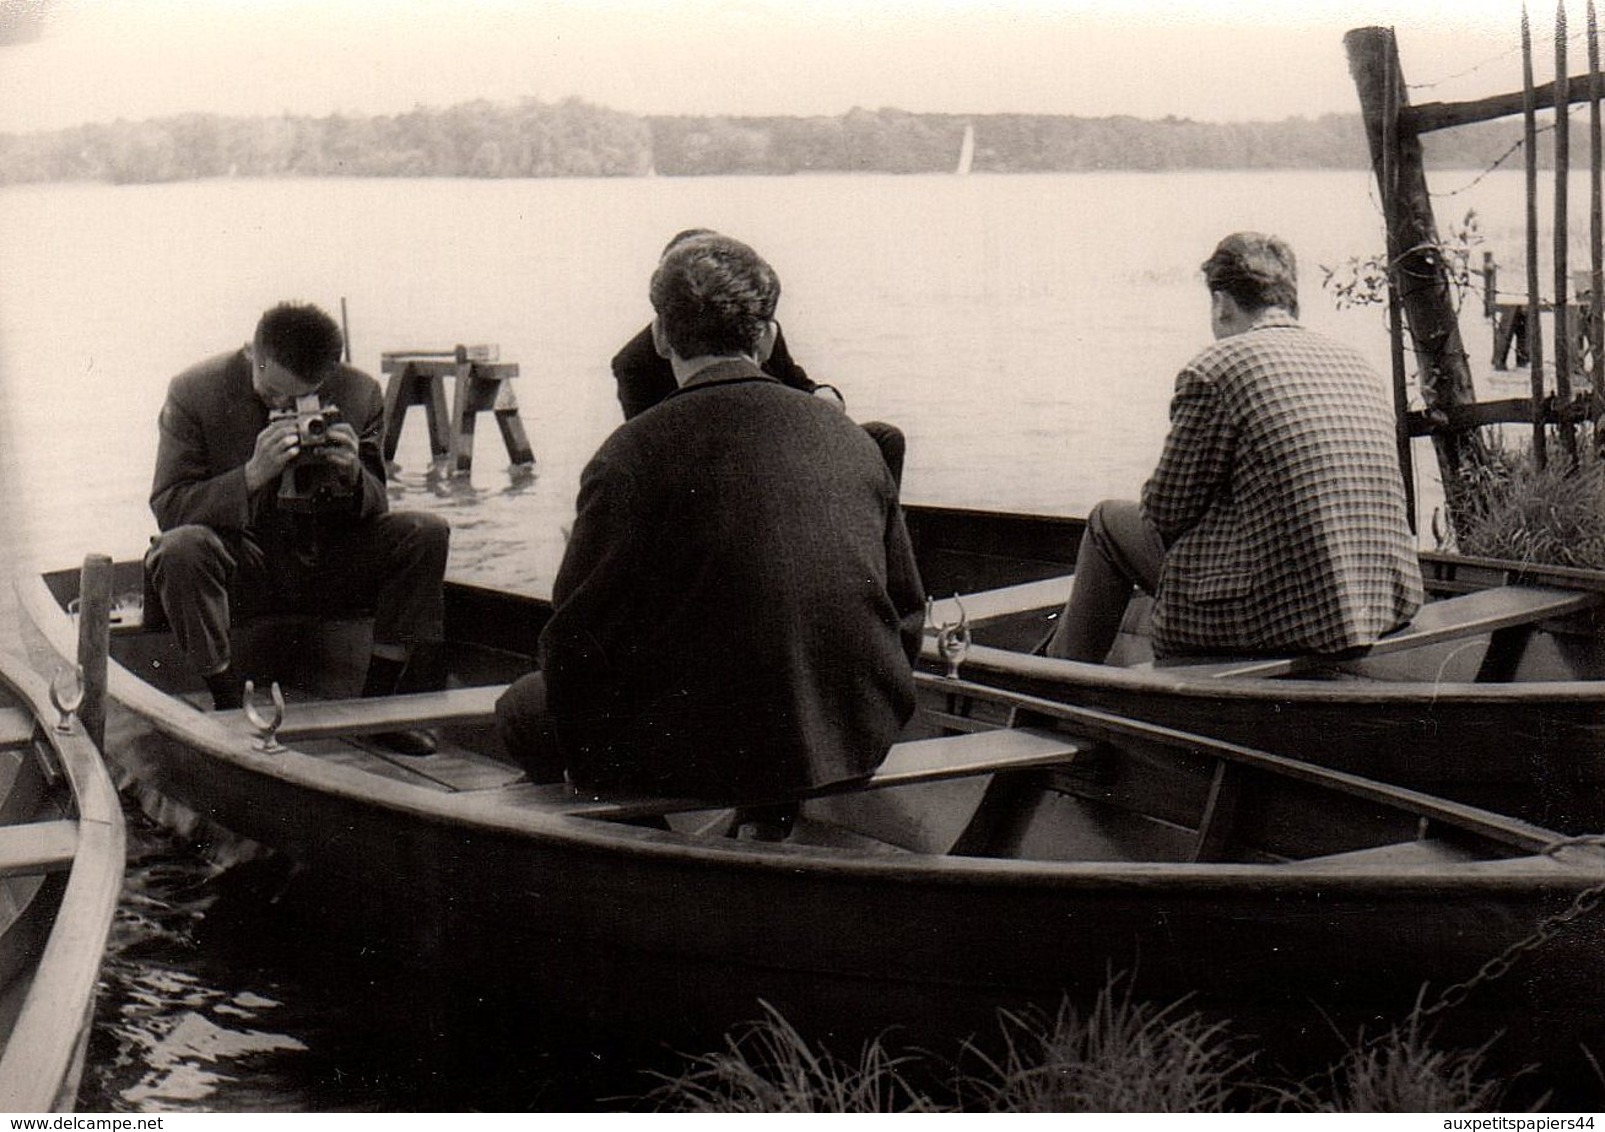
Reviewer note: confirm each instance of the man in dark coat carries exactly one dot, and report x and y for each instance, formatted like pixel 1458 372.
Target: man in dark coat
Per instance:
pixel 738 606
pixel 270 495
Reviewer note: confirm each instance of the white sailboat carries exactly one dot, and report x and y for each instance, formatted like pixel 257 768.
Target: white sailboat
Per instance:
pixel 966 151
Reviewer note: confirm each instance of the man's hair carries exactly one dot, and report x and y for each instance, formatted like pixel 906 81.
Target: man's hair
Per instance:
pixel 713 295
pixel 1256 270
pixel 301 338
pixel 682 236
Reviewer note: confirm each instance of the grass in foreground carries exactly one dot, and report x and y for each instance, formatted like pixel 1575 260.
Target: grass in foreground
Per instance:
pixel 1402 1071
pixel 767 1066
pixel 1121 1056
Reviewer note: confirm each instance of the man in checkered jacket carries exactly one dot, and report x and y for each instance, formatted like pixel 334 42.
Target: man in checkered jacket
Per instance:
pixel 1275 521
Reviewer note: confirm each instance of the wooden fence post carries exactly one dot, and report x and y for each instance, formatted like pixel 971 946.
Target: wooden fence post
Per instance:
pixel 1415 258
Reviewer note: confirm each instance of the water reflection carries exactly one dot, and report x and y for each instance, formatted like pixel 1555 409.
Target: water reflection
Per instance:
pixel 242 990
pixel 174 1030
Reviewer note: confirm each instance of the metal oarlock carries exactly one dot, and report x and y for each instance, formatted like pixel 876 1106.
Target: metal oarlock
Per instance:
pixel 267 730
pixel 67 697
pixel 952 638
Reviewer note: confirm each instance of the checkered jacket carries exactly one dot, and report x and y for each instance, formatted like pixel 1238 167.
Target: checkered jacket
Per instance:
pixel 1279 500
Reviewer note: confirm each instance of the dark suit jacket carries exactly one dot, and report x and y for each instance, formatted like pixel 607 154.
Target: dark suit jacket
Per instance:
pixel 209 426
pixel 645 378
pixel 738 605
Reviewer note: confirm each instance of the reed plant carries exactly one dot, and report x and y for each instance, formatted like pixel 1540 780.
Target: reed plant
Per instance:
pixel 1402 1071
pixel 1516 511
pixel 767 1066
pixel 1123 1055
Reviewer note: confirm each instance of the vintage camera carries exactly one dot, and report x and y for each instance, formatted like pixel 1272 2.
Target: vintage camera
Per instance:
pixel 312 483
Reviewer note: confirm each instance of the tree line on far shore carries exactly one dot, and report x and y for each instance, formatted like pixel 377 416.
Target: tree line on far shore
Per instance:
pixel 573 138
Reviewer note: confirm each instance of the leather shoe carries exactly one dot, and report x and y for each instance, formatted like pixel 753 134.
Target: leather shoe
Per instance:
pixel 412 744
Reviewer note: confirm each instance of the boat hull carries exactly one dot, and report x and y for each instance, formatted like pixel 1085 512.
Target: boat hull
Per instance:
pixel 600 923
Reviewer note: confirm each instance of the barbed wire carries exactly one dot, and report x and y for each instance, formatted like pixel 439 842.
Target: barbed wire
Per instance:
pixel 1515 147
pixel 1471 70
pixel 1571 38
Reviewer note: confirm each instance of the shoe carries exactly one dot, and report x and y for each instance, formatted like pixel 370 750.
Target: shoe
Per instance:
pixel 412 744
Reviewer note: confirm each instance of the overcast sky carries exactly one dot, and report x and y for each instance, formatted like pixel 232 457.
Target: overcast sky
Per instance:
pixel 1212 60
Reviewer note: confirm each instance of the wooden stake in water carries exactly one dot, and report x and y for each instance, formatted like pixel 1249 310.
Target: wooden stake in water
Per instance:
pixel 1535 340
pixel 94 642
pixel 1562 233
pixel 1596 325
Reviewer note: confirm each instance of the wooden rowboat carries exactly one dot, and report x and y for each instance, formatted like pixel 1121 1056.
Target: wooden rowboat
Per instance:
pixel 987 864
pixel 61 870
pixel 1494 696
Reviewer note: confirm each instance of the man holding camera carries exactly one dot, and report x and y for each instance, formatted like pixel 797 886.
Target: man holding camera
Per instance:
pixel 270 495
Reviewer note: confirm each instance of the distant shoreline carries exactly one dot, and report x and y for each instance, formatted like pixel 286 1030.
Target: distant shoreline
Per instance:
pixel 577 139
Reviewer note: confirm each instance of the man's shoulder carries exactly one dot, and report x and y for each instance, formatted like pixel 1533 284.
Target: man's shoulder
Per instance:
pixel 209 378
pixel 639 352
pixel 1291 343
pixel 208 370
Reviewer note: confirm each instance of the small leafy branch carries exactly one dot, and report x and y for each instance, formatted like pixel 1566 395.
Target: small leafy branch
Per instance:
pixel 1363 280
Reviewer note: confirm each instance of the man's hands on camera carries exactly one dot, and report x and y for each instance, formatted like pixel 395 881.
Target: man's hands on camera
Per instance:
pixel 279 444
pixel 276 446
pixel 343 452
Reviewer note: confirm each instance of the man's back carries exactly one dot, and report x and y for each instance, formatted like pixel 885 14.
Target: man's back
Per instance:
pixel 1280 500
pixel 739 602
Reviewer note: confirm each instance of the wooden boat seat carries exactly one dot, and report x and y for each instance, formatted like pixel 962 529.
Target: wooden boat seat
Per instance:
pixel 325 719
pixel 1006 601
pixel 16 727
pixel 325 728
pixel 909 763
pixel 1427 851
pixel 37 847
pixel 1466 615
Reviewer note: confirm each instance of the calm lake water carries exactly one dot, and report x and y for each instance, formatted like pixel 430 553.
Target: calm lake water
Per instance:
pixel 1024 332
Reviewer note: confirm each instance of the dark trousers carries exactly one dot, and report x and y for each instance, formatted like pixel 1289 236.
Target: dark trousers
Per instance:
pixel 1120 551
pixel 527 730
pixel 393 564
pixel 893 445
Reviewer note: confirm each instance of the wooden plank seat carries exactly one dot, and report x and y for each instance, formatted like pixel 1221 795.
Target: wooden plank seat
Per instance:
pixel 1454 618
pixel 914 761
pixel 908 763
pixel 1005 601
pixel 16 727
pixel 37 847
pixel 1426 851
pixel 327 719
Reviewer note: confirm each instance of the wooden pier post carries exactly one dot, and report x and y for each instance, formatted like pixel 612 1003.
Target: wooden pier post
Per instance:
pixel 486 388
pixel 94 642
pixel 1596 229
pixel 482 385
pixel 1566 334
pixel 1416 264
pixel 1535 339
